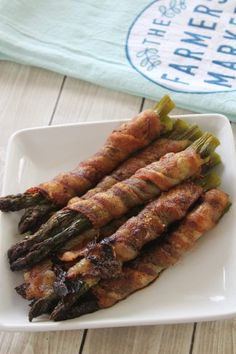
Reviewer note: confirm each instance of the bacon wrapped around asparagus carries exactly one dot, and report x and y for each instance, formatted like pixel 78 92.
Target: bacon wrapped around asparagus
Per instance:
pixel 181 136
pixel 104 260
pixel 178 140
pixel 122 142
pixel 76 247
pixel 143 270
pixel 146 184
pixel 39 280
pixel 47 300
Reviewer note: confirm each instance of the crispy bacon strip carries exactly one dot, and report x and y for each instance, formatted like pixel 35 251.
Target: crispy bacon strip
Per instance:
pixel 38 281
pixel 150 154
pixel 147 267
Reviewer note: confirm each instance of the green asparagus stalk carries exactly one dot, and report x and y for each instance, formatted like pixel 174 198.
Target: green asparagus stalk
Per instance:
pixel 54 225
pixel 43 249
pixel 163 108
pixel 22 200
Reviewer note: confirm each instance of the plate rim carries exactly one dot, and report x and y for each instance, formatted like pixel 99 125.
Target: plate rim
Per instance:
pixel 55 326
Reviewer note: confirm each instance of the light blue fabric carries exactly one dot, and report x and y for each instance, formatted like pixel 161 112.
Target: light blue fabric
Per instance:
pixel 103 42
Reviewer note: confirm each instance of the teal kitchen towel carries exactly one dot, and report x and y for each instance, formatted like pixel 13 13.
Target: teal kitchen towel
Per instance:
pixel 146 48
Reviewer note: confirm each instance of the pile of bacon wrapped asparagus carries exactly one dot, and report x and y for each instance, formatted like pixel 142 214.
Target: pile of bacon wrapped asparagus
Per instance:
pixel 96 234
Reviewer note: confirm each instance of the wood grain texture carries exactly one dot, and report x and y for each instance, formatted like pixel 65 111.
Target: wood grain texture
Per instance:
pixel 217 337
pixel 40 343
pixel 81 101
pixel 174 339
pixel 28 96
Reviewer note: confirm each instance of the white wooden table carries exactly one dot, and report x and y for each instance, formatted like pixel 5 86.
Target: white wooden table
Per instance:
pixel 33 97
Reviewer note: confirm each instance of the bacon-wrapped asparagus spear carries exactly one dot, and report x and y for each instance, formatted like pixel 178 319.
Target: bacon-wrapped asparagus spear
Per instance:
pixel 32 288
pixel 122 142
pixel 39 279
pixel 127 241
pixel 76 247
pixel 142 271
pixel 146 184
pixel 105 259
pixel 181 137
pixel 178 140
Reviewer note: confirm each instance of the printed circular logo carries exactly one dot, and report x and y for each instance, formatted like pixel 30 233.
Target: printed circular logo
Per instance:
pixel 186 45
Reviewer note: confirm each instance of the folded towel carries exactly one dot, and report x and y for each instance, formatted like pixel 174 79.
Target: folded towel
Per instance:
pixel 146 48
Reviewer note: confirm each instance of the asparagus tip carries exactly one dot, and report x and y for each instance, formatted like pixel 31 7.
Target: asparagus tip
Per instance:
pixel 182 131
pixel 21 200
pixel 179 127
pixel 42 306
pixel 164 106
pixel 205 145
pixel 193 133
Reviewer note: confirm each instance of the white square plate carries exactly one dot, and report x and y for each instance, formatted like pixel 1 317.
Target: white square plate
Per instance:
pixel 202 286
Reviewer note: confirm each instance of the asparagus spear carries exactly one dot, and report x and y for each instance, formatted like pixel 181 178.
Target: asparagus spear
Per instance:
pixel 145 184
pixel 55 224
pixel 56 193
pixel 178 139
pixel 34 217
pixel 22 200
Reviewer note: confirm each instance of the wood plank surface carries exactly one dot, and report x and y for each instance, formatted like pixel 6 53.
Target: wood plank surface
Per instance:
pixel 66 342
pixel 28 97
pixel 172 339
pixel 81 101
pixel 218 337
